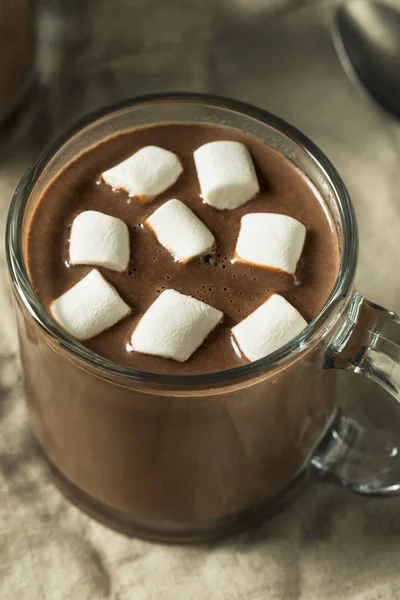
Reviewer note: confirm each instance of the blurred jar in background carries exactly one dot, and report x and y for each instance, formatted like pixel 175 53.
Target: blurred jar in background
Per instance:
pixel 17 52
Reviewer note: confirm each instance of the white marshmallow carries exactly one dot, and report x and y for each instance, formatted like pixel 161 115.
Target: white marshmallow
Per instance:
pixel 226 174
pixel 89 307
pixel 145 174
pixel 272 325
pixel 180 231
pixel 98 239
pixel 174 326
pixel 270 240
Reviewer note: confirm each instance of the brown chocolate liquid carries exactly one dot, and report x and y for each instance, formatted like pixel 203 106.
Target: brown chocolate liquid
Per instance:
pixel 235 289
pixel 204 460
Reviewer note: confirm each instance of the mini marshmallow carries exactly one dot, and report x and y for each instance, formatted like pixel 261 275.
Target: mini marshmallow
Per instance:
pixel 270 240
pixel 272 325
pixel 180 231
pixel 89 307
pixel 145 174
pixel 98 239
pixel 174 326
pixel 226 174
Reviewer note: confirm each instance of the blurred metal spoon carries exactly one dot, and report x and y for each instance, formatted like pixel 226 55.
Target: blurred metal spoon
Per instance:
pixel 367 39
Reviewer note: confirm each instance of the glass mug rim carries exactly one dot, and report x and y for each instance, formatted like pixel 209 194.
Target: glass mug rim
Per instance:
pixel 106 367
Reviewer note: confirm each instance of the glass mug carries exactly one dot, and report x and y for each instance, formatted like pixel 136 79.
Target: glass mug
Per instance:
pixel 189 458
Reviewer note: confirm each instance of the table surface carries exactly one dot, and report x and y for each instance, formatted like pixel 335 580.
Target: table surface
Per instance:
pixel 279 55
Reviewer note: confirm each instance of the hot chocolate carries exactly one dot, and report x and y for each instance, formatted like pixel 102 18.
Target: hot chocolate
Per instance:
pixel 170 451
pixel 232 287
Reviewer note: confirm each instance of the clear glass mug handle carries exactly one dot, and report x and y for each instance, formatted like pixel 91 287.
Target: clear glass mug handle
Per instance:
pixel 368 343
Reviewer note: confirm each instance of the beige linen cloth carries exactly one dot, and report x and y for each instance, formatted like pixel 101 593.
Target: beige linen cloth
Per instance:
pixel 277 54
